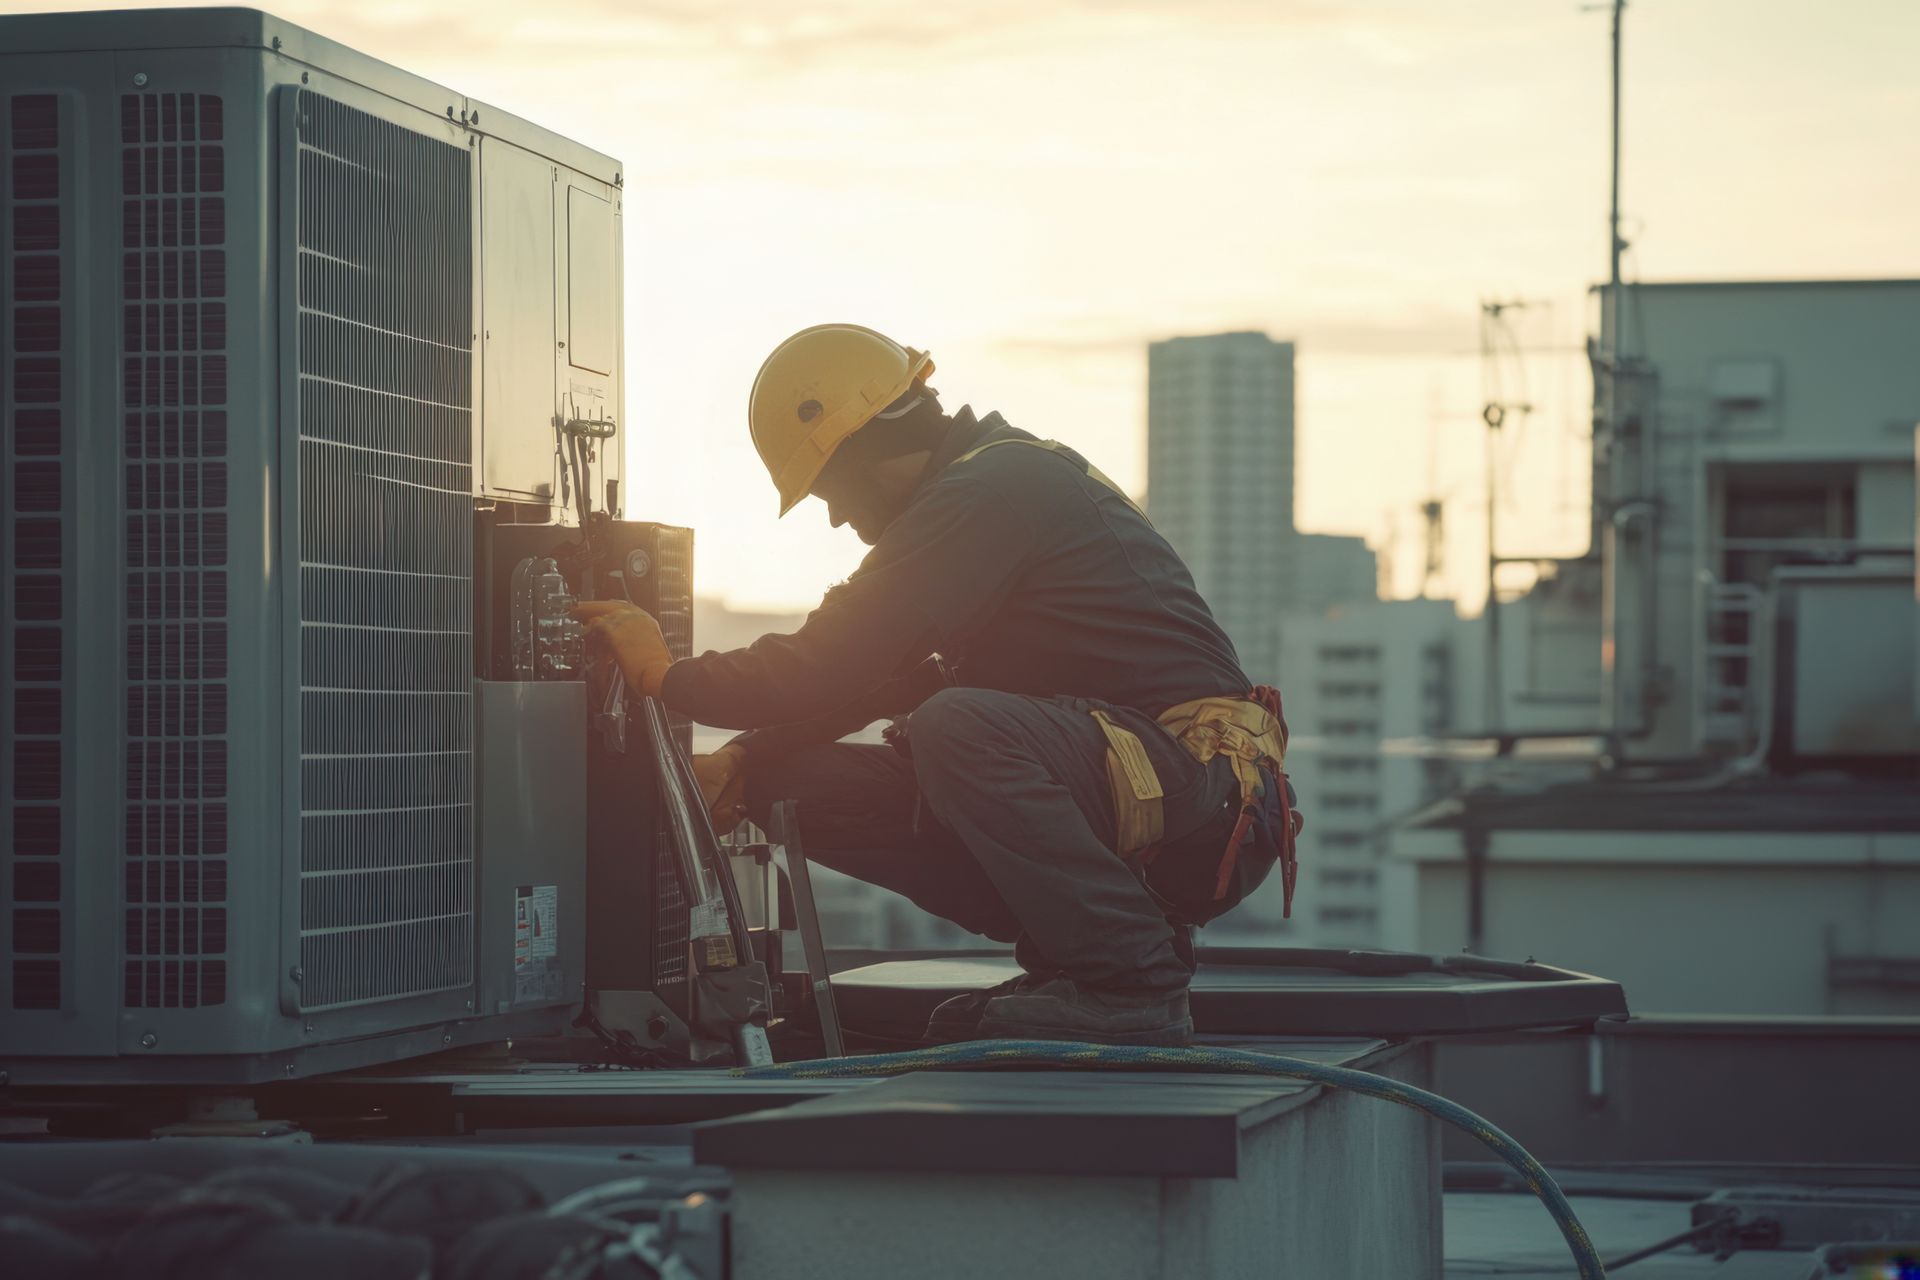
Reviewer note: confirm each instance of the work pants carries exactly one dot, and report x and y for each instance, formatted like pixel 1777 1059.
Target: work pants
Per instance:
pixel 1002 821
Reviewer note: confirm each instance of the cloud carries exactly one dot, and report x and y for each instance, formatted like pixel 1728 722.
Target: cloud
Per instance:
pixel 756 37
pixel 1433 331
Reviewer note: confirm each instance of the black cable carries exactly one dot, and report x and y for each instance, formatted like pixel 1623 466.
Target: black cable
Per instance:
pixel 1671 1242
pixel 1691 1234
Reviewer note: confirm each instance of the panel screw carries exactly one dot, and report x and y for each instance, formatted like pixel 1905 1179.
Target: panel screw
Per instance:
pixel 297 974
pixel 289 1069
pixel 276 44
pixel 304 77
pixel 638 563
pixel 149 1040
pixel 446 1039
pixel 469 1006
pixel 139 79
pixel 309 1028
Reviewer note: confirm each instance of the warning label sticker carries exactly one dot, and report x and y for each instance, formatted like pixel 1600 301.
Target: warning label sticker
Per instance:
pixel 536 944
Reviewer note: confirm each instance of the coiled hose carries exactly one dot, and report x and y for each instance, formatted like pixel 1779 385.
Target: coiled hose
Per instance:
pixel 1049 1053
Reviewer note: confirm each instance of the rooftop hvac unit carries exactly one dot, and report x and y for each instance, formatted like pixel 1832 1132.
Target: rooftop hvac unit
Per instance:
pixel 277 319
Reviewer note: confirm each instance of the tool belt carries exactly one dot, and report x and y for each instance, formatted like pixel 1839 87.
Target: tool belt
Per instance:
pixel 1249 731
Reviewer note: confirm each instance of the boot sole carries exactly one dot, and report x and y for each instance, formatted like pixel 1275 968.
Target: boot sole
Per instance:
pixel 1172 1037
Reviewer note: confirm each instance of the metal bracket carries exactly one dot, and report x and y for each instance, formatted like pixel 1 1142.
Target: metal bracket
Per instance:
pixel 788 850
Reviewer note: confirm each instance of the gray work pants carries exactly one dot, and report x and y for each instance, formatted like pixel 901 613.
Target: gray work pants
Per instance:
pixel 1015 831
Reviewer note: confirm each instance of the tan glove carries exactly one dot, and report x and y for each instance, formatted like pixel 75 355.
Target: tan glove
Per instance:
pixel 633 638
pixel 723 786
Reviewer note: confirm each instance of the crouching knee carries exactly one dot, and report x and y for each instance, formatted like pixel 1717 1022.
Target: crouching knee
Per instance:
pixel 947 733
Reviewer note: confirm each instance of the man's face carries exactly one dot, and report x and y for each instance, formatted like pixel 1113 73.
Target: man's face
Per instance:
pixel 855 495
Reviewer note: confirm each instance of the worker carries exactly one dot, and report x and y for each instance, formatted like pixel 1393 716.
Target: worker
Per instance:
pixel 1088 773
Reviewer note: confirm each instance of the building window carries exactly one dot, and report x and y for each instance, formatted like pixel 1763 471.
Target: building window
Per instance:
pixel 1338 800
pixel 1331 840
pixel 1349 653
pixel 1346 915
pixel 1348 878
pixel 1349 689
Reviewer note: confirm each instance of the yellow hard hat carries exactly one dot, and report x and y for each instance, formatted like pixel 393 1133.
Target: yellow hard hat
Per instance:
pixel 816 389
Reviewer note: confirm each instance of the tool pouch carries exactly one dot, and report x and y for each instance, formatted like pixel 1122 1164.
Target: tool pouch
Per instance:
pixel 1139 815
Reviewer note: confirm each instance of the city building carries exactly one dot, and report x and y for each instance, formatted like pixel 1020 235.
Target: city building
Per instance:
pixel 1746 835
pixel 1331 570
pixel 1220 477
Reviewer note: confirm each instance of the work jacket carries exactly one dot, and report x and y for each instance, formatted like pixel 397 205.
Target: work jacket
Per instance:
pixel 1022 569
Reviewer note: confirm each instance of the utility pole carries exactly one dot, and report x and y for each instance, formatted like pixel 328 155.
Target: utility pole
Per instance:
pixel 1494 413
pixel 1615 243
pixel 1612 351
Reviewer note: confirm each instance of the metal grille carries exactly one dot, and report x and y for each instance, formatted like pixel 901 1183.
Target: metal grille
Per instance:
pixel 386 559
pixel 672 582
pixel 173 285
pixel 38 262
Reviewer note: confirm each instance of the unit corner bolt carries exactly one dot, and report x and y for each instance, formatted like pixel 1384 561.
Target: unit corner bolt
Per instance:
pixel 139 79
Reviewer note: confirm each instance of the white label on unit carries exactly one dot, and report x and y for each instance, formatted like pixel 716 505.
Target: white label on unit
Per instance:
pixel 537 973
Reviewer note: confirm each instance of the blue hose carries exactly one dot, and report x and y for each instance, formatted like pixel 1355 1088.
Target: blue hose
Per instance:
pixel 1048 1053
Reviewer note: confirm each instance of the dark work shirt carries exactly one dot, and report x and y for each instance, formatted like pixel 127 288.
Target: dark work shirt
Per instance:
pixel 1026 573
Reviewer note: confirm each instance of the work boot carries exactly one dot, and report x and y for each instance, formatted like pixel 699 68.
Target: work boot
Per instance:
pixel 1062 1009
pixel 959 1018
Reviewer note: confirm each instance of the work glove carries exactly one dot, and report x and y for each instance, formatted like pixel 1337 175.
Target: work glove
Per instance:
pixel 723 786
pixel 632 636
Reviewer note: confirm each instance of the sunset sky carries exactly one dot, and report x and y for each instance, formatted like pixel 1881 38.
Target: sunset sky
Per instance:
pixel 1034 189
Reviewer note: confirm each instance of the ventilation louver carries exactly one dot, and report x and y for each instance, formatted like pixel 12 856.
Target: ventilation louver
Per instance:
pixel 36 237
pixel 385 284
pixel 174 419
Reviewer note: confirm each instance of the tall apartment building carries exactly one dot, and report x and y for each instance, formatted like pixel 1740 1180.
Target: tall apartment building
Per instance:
pixel 1363 688
pixel 1220 477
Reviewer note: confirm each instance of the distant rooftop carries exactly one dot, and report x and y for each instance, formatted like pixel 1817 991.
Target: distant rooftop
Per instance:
pixel 1862 283
pixel 1807 804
